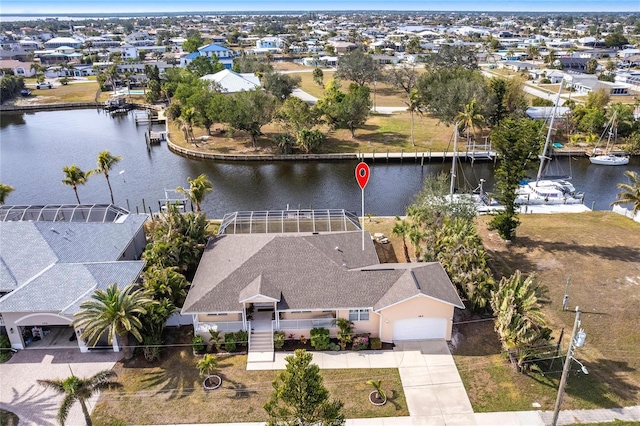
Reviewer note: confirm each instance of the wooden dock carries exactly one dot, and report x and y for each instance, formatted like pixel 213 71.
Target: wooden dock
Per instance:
pixel 148 118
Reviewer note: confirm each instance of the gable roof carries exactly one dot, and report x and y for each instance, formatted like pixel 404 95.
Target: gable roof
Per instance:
pixel 308 271
pixel 232 82
pixel 213 48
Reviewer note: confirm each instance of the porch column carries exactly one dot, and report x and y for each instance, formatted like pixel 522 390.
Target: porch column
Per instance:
pixel 81 343
pixel 277 315
pixel 244 316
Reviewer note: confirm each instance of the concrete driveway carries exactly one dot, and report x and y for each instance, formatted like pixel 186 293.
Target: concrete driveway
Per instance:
pixel 35 405
pixel 432 386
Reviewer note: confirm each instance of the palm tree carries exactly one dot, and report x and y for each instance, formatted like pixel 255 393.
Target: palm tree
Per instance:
pixel 631 194
pixel 74 177
pixel 113 311
pixel 470 118
pixel 106 161
pixel 81 390
pixel 401 229
pixel 187 120
pixel 5 190
pixel 519 318
pixel 206 366
pixel 198 188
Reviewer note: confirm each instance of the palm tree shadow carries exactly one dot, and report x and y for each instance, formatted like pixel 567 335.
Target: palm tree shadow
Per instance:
pixel 240 389
pixel 392 400
pixel 173 382
pixel 34 406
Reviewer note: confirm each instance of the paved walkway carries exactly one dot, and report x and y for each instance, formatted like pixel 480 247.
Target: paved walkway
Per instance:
pixel 432 386
pixel 34 405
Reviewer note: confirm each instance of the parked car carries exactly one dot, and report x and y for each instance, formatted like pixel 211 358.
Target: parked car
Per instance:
pixel 25 92
pixel 44 86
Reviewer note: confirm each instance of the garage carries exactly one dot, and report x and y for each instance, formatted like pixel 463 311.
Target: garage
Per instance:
pixel 420 329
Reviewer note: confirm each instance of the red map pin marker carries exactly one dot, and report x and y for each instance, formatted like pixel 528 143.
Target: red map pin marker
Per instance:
pixel 362 174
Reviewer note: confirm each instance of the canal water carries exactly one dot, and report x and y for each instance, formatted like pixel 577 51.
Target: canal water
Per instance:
pixel 34 147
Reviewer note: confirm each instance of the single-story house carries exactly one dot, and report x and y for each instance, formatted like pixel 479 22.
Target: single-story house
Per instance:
pixel 19 68
pixel 231 82
pixel 53 258
pixel 297 281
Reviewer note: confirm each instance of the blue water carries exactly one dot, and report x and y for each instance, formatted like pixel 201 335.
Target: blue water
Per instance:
pixel 34 147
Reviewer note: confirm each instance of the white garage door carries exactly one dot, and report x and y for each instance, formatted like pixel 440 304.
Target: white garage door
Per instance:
pixel 420 328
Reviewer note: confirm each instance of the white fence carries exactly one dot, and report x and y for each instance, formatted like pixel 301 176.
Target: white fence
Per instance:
pixel 305 324
pixel 626 212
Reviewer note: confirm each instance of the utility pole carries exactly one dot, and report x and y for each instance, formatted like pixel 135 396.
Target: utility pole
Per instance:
pixel 565 371
pixel 565 300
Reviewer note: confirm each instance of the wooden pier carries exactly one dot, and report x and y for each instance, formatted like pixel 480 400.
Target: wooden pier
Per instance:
pixel 148 118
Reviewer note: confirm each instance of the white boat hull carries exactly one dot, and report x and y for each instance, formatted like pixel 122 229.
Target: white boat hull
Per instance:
pixel 609 160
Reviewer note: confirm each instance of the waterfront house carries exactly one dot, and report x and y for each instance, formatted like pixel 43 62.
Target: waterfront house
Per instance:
pixel 295 281
pixel 231 82
pixel 53 258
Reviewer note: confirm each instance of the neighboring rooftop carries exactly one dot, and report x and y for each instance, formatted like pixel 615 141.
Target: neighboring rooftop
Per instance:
pixel 63 213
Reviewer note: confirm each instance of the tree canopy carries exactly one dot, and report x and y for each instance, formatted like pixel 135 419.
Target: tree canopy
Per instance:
pixel 357 66
pixel 299 396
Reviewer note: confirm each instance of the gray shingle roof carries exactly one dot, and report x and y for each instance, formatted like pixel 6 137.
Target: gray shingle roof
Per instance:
pixel 24 251
pixel 54 266
pixel 325 271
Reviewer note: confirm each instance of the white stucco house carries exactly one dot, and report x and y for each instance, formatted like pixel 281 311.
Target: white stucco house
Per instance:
pixel 53 258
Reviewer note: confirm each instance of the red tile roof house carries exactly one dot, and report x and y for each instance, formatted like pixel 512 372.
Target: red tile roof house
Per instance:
pixel 297 281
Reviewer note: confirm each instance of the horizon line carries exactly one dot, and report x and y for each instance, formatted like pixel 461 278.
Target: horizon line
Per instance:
pixel 301 11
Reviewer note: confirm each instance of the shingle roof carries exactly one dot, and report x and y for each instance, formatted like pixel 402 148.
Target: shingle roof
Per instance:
pixel 48 266
pixel 65 285
pixel 307 271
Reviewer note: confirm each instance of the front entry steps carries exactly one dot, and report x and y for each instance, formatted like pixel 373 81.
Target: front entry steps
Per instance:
pixel 261 346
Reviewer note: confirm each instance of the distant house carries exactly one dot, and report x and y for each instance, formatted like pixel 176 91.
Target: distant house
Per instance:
pixel 517 65
pixel 224 54
pixel 53 258
pixel 63 41
pixel 231 82
pixel 585 85
pixel 343 46
pixel 19 68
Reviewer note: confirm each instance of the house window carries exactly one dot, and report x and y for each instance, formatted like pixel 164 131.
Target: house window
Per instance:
pixel 217 314
pixel 359 315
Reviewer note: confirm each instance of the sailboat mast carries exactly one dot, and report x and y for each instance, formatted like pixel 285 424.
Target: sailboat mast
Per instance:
pixel 544 157
pixel 453 161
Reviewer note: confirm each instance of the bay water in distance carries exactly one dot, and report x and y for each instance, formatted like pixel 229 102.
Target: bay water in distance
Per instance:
pixel 34 147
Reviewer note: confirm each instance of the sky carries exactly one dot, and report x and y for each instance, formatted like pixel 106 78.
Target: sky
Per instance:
pixel 140 6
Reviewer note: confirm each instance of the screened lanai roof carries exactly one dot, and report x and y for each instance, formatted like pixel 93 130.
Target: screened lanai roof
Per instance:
pixel 280 221
pixel 104 213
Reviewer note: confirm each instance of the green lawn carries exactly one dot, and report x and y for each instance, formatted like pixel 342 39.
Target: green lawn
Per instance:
pixel 172 392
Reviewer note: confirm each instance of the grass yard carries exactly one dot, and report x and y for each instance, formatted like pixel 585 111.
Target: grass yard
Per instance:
pixel 172 392
pixel 600 252
pixel 380 134
pixel 385 95
pixel 79 92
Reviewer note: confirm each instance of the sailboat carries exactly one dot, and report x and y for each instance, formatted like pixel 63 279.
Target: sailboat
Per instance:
pixel 548 189
pixel 606 158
